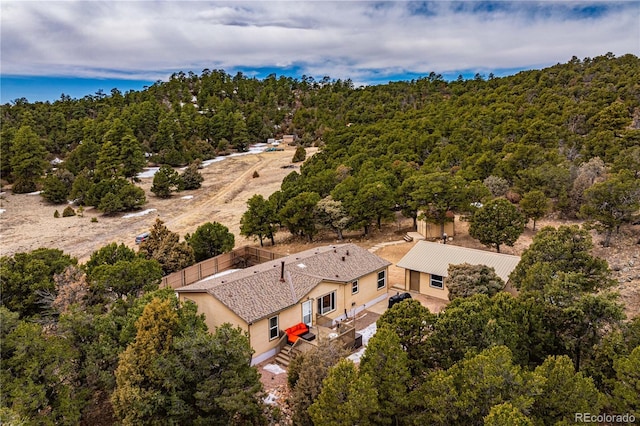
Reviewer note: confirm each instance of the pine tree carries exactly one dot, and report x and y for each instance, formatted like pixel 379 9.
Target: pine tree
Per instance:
pixel 210 240
pixel 165 181
pixel 347 398
pixel 27 160
pixel 388 367
pixel 498 222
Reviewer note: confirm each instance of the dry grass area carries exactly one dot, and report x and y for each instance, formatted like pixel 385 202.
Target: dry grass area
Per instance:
pixel 28 223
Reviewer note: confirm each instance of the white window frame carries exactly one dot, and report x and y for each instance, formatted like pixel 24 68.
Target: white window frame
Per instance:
pixel 274 327
pixel 382 280
pixel 332 301
pixel 355 287
pixel 437 282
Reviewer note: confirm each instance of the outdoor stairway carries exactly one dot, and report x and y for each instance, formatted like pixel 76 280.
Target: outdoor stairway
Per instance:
pixel 284 357
pixel 408 238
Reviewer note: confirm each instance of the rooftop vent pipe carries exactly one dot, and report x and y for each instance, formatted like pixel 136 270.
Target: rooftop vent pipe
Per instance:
pixel 282 271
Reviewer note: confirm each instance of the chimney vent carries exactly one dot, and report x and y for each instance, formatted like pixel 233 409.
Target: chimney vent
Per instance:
pixel 343 258
pixel 347 252
pixel 282 271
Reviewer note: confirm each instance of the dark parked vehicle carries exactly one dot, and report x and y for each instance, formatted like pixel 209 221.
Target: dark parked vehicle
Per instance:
pixel 398 298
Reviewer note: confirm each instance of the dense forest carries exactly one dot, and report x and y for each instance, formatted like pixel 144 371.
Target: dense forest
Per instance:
pixel 565 138
pixel 98 343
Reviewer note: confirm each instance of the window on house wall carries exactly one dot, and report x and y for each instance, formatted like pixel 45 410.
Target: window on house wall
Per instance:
pixel 327 303
pixel 355 288
pixel 437 282
pixel 273 328
pixel 382 279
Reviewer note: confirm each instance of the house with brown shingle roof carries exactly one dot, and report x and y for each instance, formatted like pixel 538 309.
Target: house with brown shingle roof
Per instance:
pixel 427 263
pixel 320 284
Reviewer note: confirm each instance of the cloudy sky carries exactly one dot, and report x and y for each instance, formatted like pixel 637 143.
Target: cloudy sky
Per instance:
pixel 77 47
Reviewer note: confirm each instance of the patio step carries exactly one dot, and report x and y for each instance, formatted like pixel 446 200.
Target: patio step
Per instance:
pixel 408 238
pixel 284 356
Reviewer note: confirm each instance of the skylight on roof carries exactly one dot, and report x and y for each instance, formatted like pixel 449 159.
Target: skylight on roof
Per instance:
pixel 301 265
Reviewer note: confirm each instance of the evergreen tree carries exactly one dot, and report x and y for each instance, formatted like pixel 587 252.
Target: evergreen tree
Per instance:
pixel 612 203
pixel 412 323
pixel 506 414
pixel 210 240
pixel 81 186
pixel 165 247
pixel 564 392
pixel 498 222
pixel 165 181
pixel 56 187
pixel 109 163
pixel 306 375
pixel 138 397
pixel 297 214
pixel 26 277
pixel 132 156
pixel 626 392
pixel 259 220
pixel 534 205
pixel 240 139
pixel 191 177
pixel 347 398
pixel 388 367
pixel 566 249
pixel 438 194
pixel 465 280
pixel 300 155
pixel 39 373
pixel 27 160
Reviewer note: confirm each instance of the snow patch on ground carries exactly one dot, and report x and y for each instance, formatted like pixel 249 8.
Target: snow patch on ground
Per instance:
pixel 271 399
pixel 367 333
pixel 186 197
pixel 149 172
pixel 34 193
pixel 274 368
pixel 2 211
pixel 138 214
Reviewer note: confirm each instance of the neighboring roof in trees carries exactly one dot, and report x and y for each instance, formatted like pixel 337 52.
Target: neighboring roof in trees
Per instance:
pixel 434 258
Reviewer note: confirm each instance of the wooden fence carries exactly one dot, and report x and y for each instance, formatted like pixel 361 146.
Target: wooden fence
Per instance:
pixel 239 258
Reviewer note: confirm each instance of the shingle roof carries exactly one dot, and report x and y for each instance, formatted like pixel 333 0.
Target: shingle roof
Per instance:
pixel 434 258
pixel 257 292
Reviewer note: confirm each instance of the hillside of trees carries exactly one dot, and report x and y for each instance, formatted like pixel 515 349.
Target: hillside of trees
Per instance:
pixel 99 343
pixel 571 131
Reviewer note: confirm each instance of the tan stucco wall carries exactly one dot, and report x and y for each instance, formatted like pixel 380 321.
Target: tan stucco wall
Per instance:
pixel 216 313
pixel 432 230
pixel 425 288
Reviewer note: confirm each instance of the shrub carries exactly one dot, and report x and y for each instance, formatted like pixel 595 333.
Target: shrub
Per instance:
pixel 68 211
pixel 94 219
pixel 191 177
pixel 56 214
pixel 256 174
pixel 300 155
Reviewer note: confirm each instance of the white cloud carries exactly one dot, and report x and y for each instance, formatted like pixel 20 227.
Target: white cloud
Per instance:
pixel 356 39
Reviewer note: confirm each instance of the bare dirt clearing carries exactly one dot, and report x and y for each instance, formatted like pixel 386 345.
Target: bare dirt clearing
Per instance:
pixel 28 223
